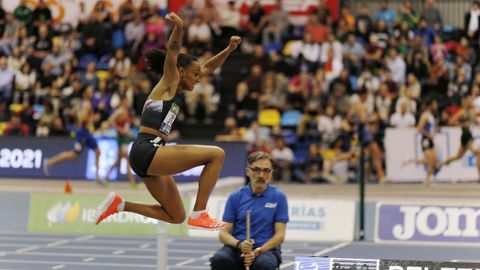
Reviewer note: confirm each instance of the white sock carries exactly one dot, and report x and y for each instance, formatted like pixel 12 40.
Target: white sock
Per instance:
pixel 196 214
pixel 121 206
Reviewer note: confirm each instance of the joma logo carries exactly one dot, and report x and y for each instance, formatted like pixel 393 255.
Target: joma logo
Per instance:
pixel 437 221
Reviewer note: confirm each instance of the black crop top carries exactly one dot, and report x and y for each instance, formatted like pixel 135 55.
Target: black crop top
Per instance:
pixel 160 114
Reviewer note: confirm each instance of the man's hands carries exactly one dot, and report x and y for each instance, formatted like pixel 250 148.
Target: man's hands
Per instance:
pixel 248 253
pixel 234 42
pixel 174 19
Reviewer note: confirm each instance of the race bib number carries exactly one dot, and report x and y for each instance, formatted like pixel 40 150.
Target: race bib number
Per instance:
pixel 166 126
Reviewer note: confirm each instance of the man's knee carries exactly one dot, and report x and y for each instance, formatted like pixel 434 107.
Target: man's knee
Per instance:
pixel 221 260
pixel 267 261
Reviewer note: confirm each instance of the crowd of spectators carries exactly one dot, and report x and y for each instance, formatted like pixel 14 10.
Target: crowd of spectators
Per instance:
pixel 368 70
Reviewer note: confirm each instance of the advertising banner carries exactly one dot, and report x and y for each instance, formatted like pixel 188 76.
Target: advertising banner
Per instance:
pixel 416 265
pixel 310 220
pixel 14 218
pixel 67 213
pixel 25 157
pixel 402 148
pixel 428 223
pixel 323 263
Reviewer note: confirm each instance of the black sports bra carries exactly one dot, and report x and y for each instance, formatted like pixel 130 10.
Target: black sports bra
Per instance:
pixel 160 114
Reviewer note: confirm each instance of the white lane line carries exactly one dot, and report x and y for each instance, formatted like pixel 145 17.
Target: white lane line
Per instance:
pixel 22 250
pixel 145 246
pixel 84 237
pixel 89 259
pixel 58 267
pixel 56 254
pixel 129 265
pixel 57 243
pixel 320 253
pixel 208 256
pixel 185 262
pixel 118 252
pixel 337 246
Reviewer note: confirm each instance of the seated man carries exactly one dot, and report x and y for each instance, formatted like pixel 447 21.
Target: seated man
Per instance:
pixel 269 217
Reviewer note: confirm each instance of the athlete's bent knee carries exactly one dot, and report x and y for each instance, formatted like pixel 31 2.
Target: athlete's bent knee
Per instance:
pixel 218 152
pixel 178 218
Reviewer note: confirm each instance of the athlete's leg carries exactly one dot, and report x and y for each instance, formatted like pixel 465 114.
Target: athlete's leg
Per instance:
pixel 170 160
pixel 97 164
pixel 377 161
pixel 461 151
pixel 62 157
pixel 164 190
pixel 430 160
pixel 114 165
pixel 131 177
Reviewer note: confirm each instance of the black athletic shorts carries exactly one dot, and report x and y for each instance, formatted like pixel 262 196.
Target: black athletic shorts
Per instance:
pixel 143 151
pixel 466 136
pixel 427 143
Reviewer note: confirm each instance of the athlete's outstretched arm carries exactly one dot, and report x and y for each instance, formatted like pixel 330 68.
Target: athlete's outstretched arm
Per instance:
pixel 213 63
pixel 170 78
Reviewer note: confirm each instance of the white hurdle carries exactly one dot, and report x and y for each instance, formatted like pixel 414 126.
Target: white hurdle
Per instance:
pixel 162 232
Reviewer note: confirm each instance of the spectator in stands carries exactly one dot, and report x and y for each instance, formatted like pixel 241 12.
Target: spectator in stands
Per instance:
pixel 25 79
pixel 6 85
pixel 56 58
pixel 329 124
pixel 307 128
pixel 386 14
pixel 364 24
pixel 396 65
pixel 373 54
pixel 282 160
pixel 402 118
pixel 16 128
pixel 432 15
pixel 90 77
pixel 120 64
pixel 472 23
pixel 317 30
pixel 199 36
pixel 408 14
pixel 145 10
pixel 94 35
pixel 310 170
pixel 24 13
pixel 126 13
pixel 135 33
pixel 353 53
pixel 202 102
pixel 188 12
pixel 323 13
pixel 277 23
pixel 230 133
pixel 307 52
pixel 268 226
pixel 244 106
pixel 41 14
pixel 256 18
pixel 211 16
pixel 230 20
pixel 331 44
pixel 404 32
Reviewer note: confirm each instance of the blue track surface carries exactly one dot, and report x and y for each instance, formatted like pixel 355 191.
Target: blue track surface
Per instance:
pixel 22 251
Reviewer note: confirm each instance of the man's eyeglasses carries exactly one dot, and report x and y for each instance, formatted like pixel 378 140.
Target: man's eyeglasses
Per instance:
pixel 260 170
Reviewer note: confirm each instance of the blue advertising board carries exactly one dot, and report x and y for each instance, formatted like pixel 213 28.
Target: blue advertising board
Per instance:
pixel 24 157
pixel 428 223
